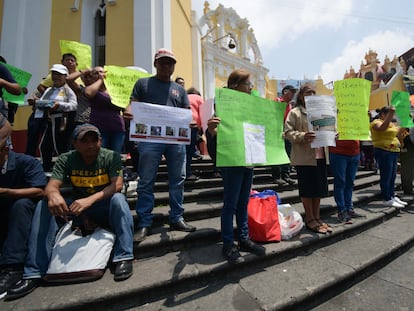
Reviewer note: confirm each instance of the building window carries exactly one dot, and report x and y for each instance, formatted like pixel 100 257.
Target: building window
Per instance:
pixel 100 34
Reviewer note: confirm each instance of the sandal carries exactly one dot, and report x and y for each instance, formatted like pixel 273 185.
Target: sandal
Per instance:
pixel 324 225
pixel 316 227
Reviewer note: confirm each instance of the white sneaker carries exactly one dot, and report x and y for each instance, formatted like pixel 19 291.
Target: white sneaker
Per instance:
pixel 393 203
pixel 397 199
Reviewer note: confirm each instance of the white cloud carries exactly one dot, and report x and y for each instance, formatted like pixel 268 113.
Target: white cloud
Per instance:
pixel 274 21
pixel 384 43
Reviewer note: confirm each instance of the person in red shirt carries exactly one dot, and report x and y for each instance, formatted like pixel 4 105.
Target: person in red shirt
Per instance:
pixel 281 173
pixel 344 161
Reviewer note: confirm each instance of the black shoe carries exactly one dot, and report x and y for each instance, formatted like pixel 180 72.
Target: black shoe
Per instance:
pixel 142 233
pixel 289 180
pixel 232 255
pixel 251 247
pixel 22 288
pixel 280 182
pixel 8 277
pixel 123 270
pixel 182 226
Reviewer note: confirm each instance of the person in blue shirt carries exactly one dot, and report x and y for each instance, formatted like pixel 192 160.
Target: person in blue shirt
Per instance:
pixel 22 181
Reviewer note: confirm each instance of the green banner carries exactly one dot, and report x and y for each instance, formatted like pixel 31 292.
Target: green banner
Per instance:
pixel 82 52
pixel 352 101
pixel 401 101
pixel 119 82
pixel 22 78
pixel 250 131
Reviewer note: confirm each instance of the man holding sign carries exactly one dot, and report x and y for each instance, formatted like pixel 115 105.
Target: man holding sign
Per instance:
pixel 160 90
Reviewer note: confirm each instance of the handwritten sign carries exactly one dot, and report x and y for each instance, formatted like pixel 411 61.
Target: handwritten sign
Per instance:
pixel 119 83
pixel 82 52
pixel 250 131
pixel 22 78
pixel 401 101
pixel 352 101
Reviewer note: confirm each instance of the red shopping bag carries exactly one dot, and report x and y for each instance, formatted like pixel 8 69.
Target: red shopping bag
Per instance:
pixel 263 217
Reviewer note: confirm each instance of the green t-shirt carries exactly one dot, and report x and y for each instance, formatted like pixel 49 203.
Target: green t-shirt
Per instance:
pixel 87 179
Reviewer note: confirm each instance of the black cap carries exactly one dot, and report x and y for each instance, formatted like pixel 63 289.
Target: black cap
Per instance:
pixel 290 88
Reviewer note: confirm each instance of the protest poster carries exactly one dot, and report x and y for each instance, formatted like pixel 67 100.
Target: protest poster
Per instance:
pixel 22 78
pixel 119 82
pixel 321 117
pixel 250 131
pixel 352 98
pixel 83 52
pixel 160 124
pixel 401 101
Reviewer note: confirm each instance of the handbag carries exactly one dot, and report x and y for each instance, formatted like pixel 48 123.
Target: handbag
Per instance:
pixel 78 258
pixel 263 216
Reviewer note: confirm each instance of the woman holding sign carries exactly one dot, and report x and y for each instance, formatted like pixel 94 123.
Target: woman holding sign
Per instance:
pixel 386 151
pixel 237 182
pixel 310 162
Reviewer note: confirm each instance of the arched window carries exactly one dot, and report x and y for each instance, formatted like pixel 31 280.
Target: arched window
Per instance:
pixel 369 76
pixel 100 34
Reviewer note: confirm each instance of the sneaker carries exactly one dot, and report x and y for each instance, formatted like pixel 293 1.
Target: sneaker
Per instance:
pixel 251 247
pixel 392 203
pixel 280 182
pixel 354 214
pixel 232 255
pixel 397 199
pixel 289 180
pixel 8 278
pixel 344 218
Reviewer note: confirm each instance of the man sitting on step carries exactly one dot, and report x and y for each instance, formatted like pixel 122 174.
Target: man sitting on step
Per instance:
pixel 95 174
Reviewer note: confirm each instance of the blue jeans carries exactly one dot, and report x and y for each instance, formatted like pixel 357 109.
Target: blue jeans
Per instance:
pixel 190 150
pixel 113 140
pixel 387 164
pixel 344 168
pixel 17 218
pixel 113 213
pixel 237 182
pixel 149 159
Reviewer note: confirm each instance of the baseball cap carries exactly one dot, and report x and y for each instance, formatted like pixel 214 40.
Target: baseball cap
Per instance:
pixel 290 88
pixel 164 53
pixel 60 68
pixel 81 130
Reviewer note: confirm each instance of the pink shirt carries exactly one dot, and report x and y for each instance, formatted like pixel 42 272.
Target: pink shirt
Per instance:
pixel 195 102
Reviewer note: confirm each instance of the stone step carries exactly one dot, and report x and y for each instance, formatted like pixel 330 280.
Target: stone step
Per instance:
pixel 290 276
pixel 214 191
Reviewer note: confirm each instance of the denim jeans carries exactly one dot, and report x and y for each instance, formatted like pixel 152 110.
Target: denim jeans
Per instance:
pixel 237 182
pixel 113 140
pixel 17 218
pixel 112 213
pixel 149 159
pixel 344 168
pixel 190 150
pixel 387 164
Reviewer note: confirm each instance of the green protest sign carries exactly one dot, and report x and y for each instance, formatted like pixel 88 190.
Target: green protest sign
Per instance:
pixel 22 78
pixel 401 101
pixel 82 52
pixel 352 101
pixel 250 131
pixel 119 82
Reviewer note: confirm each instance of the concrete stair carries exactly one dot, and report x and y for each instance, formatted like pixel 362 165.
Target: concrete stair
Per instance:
pixel 186 271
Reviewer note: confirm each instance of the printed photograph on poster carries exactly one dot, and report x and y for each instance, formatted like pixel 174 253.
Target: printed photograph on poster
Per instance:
pixel 159 123
pixel 321 115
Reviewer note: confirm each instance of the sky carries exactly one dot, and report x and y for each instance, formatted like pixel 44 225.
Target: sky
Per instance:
pixel 302 39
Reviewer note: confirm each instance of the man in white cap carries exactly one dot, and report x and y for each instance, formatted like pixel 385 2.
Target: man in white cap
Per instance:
pixel 160 90
pixel 95 175
pixel 55 105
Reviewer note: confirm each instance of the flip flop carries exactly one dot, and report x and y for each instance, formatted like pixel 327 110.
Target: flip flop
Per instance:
pixel 317 228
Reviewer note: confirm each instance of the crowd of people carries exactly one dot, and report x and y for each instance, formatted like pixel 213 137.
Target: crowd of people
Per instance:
pixel 75 119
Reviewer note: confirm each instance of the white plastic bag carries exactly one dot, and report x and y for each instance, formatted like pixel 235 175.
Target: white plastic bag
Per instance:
pixel 290 221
